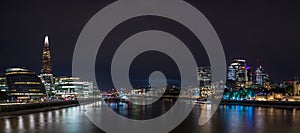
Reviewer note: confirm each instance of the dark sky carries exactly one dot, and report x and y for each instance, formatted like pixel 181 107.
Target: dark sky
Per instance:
pixel 250 29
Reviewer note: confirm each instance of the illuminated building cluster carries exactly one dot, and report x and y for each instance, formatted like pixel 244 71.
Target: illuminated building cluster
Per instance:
pixel 240 75
pixel 61 87
pixel 21 84
pixel 242 82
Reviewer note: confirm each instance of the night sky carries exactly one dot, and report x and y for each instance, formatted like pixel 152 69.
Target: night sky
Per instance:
pixel 251 29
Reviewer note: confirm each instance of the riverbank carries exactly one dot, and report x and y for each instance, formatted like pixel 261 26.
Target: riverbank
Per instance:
pixel 30 111
pixel 22 109
pixel 274 104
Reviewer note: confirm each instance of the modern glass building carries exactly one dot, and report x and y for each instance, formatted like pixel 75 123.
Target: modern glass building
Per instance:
pixel 241 72
pixel 72 87
pixel 24 84
pixel 238 74
pixel 46 70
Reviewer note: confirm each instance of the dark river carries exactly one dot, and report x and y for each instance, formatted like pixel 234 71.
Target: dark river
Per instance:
pixel 227 119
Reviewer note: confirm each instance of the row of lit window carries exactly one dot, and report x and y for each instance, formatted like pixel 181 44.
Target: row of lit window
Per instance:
pixel 34 90
pixel 71 78
pixel 29 90
pixel 18 73
pixel 26 93
pixel 32 83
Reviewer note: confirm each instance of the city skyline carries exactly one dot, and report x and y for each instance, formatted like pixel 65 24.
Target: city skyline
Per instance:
pixel 271 37
pixel 46 66
pixel 150 66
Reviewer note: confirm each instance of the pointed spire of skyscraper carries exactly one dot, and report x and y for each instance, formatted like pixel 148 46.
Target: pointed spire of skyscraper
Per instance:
pixel 46 58
pixel 46 42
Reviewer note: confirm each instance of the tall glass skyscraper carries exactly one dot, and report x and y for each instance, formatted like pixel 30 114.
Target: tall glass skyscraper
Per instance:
pixel 46 58
pixel 46 71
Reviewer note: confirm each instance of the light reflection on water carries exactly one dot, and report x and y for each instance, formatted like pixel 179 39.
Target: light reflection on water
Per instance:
pixel 233 118
pixel 21 122
pixel 7 124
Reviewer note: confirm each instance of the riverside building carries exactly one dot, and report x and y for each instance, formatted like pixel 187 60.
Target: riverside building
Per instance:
pixel 24 84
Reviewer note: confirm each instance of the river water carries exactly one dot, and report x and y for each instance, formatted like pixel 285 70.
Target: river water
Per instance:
pixel 227 119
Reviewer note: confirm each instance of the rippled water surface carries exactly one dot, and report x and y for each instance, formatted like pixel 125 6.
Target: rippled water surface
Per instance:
pixel 238 119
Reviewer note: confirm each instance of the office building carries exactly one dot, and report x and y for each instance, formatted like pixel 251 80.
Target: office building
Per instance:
pixel 24 84
pixel 72 87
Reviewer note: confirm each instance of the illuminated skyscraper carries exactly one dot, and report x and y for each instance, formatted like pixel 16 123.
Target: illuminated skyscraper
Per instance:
pixel 204 76
pixel 46 58
pixel 237 73
pixel 240 66
pixel 46 71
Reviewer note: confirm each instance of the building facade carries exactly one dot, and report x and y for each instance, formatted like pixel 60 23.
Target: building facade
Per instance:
pixel 239 74
pixel 240 70
pixel 72 87
pixel 24 84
